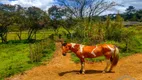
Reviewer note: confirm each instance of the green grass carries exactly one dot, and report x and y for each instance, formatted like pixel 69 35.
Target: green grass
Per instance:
pixel 14 58
pixel 40 35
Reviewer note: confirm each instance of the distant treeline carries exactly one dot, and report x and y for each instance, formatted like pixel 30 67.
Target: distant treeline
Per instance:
pixel 130 14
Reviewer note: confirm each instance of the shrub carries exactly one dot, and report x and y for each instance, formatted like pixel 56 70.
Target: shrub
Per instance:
pixel 37 50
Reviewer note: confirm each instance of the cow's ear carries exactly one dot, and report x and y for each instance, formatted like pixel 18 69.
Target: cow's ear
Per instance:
pixel 64 44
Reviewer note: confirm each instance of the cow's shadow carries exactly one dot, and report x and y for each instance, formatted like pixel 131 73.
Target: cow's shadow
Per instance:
pixel 86 72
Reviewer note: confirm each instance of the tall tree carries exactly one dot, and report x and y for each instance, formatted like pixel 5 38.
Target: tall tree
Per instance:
pixel 36 20
pixel 5 21
pixel 85 8
pixel 130 10
pixel 59 18
pixel 130 13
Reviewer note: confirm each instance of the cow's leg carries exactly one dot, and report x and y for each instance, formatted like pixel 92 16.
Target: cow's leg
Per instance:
pixel 107 56
pixel 112 65
pixel 82 70
pixel 107 65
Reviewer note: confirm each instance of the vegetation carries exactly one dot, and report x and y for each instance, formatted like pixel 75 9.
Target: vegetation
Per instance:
pixel 44 48
pixel 15 57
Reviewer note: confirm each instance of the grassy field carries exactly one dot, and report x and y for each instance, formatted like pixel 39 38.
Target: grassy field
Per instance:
pixel 40 35
pixel 14 55
pixel 14 58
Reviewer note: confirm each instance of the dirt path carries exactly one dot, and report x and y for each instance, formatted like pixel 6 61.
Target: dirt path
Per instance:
pixel 62 68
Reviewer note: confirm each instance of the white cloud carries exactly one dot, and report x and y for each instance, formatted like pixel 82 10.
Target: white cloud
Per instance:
pixel 43 4
pixel 126 3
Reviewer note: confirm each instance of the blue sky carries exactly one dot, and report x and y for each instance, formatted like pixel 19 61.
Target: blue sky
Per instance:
pixel 45 4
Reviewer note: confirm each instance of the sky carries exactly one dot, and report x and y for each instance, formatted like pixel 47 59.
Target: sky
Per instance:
pixel 45 4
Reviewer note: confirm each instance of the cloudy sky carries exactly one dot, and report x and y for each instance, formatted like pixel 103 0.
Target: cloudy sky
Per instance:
pixel 45 4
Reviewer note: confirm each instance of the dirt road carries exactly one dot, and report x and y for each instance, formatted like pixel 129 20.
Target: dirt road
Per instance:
pixel 62 68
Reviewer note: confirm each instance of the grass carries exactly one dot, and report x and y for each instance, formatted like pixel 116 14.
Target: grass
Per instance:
pixel 40 35
pixel 14 58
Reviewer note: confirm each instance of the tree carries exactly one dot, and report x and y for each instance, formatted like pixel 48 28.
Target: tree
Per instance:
pixel 85 8
pixel 36 20
pixel 56 12
pixel 130 13
pixel 139 15
pixel 68 24
pixel 130 10
pixel 5 21
pixel 19 21
pixel 17 18
pixel 7 17
pixel 59 18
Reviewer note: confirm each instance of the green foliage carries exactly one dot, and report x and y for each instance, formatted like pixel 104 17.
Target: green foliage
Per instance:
pixel 15 57
pixel 113 30
pixel 32 19
pixel 5 21
pixel 38 50
pixel 36 21
pixel 56 12
pixel 83 32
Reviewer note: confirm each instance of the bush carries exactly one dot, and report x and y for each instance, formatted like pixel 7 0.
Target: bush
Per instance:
pixel 38 50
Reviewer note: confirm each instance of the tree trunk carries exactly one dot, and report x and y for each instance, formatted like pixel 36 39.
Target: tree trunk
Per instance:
pixel 30 34
pixel 68 32
pixel 4 38
pixel 35 34
pixel 19 35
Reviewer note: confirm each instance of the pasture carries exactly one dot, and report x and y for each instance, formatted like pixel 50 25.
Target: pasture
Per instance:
pixel 15 54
